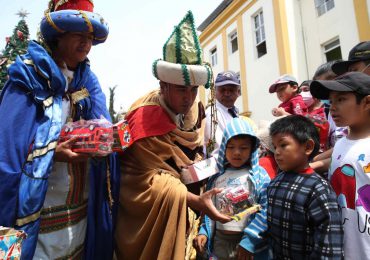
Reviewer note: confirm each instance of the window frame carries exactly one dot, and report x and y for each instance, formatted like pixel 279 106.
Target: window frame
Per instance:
pixel 232 37
pixel 213 56
pixel 259 33
pixel 323 6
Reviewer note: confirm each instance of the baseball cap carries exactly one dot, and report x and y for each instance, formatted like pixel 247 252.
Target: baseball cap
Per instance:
pixel 281 80
pixel 349 82
pixel 360 52
pixel 227 78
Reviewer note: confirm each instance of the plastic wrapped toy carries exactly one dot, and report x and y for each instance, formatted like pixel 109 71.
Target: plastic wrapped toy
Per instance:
pixel 92 136
pixel 237 201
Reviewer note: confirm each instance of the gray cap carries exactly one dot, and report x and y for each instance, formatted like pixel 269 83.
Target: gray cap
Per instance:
pixel 227 78
pixel 281 80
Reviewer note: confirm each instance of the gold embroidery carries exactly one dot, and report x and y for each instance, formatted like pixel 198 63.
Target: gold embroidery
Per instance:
pixel 79 95
pixel 48 102
pixel 88 23
pixel 23 221
pixel 52 24
pixel 42 151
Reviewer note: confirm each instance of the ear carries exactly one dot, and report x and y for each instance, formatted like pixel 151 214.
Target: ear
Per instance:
pixel 366 102
pixel 239 91
pixel 310 146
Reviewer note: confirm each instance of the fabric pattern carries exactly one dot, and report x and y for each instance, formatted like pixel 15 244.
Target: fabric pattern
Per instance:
pixel 304 218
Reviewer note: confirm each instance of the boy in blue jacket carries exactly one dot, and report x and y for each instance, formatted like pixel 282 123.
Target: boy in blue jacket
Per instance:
pixel 238 165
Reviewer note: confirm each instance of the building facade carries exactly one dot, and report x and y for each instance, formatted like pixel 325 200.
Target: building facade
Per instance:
pixel 263 39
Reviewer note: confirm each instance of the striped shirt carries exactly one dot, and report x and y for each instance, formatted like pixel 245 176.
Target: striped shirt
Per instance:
pixel 303 217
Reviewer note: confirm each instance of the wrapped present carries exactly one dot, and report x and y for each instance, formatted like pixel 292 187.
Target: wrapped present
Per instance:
pixel 11 243
pixel 92 136
pixel 237 202
pixel 199 171
pixel 122 136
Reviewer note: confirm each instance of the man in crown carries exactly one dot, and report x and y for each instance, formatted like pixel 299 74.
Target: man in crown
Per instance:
pixel 167 130
pixel 58 197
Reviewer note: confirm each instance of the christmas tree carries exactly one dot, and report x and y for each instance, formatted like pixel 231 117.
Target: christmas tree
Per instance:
pixel 15 45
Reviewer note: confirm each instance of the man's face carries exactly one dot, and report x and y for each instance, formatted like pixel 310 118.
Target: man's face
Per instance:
pixel 345 111
pixel 73 48
pixel 360 67
pixel 285 91
pixel 227 94
pixel 178 98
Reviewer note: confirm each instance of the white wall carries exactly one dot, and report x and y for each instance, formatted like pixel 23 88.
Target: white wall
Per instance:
pixel 337 22
pixel 261 72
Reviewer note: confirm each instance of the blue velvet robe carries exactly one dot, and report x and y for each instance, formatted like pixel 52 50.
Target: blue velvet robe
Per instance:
pixel 28 121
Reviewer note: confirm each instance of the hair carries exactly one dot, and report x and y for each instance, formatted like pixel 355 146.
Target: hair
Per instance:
pixel 359 97
pixel 244 136
pixel 325 68
pixel 300 128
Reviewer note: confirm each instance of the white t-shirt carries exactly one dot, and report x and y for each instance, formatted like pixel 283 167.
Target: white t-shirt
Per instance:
pixel 335 132
pixel 349 175
pixel 233 178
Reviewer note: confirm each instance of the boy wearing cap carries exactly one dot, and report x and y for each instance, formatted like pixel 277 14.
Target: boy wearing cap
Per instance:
pixel 286 88
pixel 349 172
pixel 358 60
pixel 227 91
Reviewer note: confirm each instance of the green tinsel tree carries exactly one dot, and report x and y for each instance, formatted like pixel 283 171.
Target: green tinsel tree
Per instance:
pixel 15 45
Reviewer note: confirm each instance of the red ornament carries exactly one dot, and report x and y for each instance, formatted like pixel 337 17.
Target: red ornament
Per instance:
pixel 20 35
pixel 84 5
pixel 7 39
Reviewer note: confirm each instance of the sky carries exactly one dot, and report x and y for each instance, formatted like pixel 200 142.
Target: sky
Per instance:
pixel 137 32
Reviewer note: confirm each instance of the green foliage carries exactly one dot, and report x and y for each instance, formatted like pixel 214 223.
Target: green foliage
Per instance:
pixel 15 45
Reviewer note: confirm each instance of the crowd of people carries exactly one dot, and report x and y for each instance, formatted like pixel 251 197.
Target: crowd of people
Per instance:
pixel 307 171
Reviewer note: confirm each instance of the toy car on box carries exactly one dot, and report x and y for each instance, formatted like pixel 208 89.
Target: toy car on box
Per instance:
pixel 92 136
pixel 122 136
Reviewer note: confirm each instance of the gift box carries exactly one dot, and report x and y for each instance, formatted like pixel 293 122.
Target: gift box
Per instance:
pixel 92 136
pixel 122 136
pixel 11 243
pixel 199 171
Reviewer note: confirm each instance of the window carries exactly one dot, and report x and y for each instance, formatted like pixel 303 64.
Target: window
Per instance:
pixel 213 56
pixel 322 6
pixel 259 30
pixel 332 50
pixel 233 39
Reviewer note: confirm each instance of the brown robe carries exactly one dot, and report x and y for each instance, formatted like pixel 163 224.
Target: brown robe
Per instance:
pixel 152 215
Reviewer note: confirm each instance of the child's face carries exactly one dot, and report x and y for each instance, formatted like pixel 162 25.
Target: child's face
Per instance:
pixel 290 155
pixel 345 111
pixel 238 150
pixel 285 91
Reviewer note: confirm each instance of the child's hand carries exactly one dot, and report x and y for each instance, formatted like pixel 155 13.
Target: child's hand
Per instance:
pixel 279 111
pixel 199 243
pixel 244 254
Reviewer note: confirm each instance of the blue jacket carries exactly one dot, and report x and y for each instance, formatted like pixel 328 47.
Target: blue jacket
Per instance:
pixel 254 233
pixel 30 104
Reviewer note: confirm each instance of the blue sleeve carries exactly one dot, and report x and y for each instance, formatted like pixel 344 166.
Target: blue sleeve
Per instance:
pixel 18 125
pixel 254 234
pixel 98 99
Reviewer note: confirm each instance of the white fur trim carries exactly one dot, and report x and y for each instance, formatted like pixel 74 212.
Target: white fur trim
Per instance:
pixel 172 73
